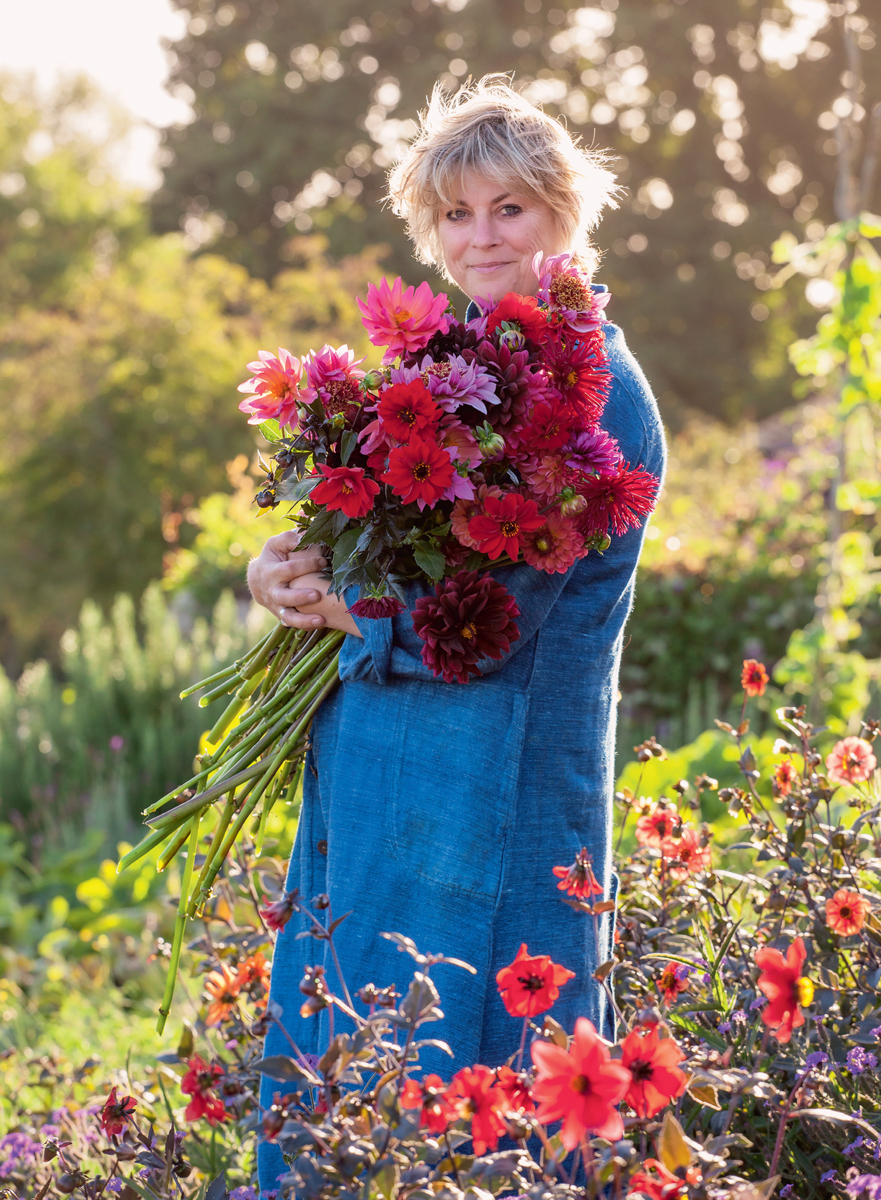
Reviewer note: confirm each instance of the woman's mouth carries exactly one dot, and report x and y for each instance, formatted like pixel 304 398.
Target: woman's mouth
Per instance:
pixel 486 267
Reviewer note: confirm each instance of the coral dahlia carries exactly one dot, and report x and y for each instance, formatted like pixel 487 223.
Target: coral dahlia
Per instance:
pixel 753 677
pixel 429 1094
pixel 654 826
pixel 554 546
pixel 786 988
pixel 199 1082
pixel 475 1096
pixel 468 618
pixel 503 523
pixel 275 388
pixel 656 1078
pixel 531 983
pixel 419 471
pixel 850 761
pixel 846 912
pixel 401 319
pixel 579 879
pixel 580 1086
pixel 222 987
pixel 115 1113
pixel 785 776
pixel 685 855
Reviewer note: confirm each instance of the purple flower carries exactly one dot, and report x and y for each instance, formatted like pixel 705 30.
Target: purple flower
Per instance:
pixel 592 452
pixel 828 1177
pixel 855 1145
pixel 269 1195
pixel 50 1130
pixel 243 1193
pixel 860 1060
pixel 862 1187
pixel 787 1191
pixel 740 1017
pixel 876 1032
pixel 816 1059
pixel 759 1002
pixel 117 742
pixel 725 1027
pixel 113 1185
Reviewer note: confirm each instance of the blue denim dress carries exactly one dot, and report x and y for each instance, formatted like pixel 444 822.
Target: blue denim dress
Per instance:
pixel 444 807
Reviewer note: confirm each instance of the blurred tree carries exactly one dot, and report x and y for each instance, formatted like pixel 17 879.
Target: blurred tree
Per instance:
pixel 723 113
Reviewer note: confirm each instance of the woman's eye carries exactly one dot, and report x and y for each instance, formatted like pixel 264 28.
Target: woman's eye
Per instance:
pixel 456 214
pixel 512 210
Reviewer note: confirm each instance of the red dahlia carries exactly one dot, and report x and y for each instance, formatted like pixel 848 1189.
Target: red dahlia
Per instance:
pixel 578 369
pixel 475 1096
pixel 199 1082
pixel 345 488
pixel 419 471
pixel 619 500
pixel 522 311
pixel 116 1113
pixel 549 427
pixel 503 522
pixel 375 608
pixel 531 983
pixel 407 408
pixel 753 677
pixel 468 618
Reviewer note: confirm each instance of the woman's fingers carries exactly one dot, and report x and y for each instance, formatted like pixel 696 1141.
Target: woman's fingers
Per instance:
pixel 301 562
pixel 296 620
pixel 295 597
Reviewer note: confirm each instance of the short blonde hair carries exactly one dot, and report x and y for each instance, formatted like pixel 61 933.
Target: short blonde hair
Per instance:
pixel 489 129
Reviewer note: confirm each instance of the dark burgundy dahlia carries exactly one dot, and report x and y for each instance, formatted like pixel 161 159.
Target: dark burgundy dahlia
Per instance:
pixel 468 618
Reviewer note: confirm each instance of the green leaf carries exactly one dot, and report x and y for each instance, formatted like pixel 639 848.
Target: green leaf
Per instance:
pixel 293 490
pixel 693 1027
pixel 271 430
pixel 345 546
pixel 348 442
pixel 320 529
pixel 430 560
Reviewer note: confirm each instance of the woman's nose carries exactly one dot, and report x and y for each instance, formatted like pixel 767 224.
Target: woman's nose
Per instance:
pixel 485 233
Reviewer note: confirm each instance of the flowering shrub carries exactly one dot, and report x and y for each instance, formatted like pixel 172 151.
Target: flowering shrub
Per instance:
pixel 745 979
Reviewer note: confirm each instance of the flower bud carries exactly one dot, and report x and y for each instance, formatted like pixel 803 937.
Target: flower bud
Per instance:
pixel 373 380
pixel 490 442
pixel 571 503
pixel 511 336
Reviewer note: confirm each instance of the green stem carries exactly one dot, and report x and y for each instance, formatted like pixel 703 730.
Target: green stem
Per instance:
pixel 144 847
pixel 180 925
pixel 222 825
pixel 174 845
pixel 174 816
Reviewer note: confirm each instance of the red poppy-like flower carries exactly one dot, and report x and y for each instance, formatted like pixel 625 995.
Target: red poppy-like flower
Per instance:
pixel 474 1096
pixel 419 471
pixel 279 912
pixel 554 546
pixel 579 879
pixel 464 510
pixel 345 488
pixel 652 1062
pixel 407 408
pixel 531 983
pixel 223 988
pixel 661 1184
pixel 850 761
pixel 468 618
pixel 516 1089
pixel 500 527
pixel 686 854
pixel 787 989
pixel 846 912
pixel 429 1094
pixel 376 608
pixel 654 826
pixel 549 428
pixel 115 1113
pixel 753 677
pixel 616 501
pixel 673 980
pixel 522 311
pixel 785 776
pixel 579 370
pixel 580 1086
pixel 199 1082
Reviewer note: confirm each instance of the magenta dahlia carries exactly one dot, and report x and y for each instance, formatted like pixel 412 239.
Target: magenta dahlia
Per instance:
pixel 579 370
pixel 555 546
pixel 467 618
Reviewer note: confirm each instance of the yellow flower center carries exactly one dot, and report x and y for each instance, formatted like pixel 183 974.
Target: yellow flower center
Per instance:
pixel 804 990
pixel 402 314
pixel 468 632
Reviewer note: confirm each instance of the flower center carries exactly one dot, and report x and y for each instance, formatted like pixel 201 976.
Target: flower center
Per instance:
pixel 402 314
pixel 580 1084
pixel 422 471
pixel 510 529
pixel 532 983
pixel 569 292
pixel 468 631
pixel 571 379
pixel 804 991
pixel 439 370
pixel 408 416
pixel 542 544
pixel 641 1069
pixel 845 911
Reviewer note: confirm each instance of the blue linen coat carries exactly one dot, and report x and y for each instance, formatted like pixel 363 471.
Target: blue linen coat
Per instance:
pixel 444 807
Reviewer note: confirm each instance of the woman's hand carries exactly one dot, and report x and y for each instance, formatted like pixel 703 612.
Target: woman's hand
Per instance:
pixel 288 582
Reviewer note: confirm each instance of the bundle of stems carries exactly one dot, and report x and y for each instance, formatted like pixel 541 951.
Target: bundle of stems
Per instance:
pixel 255 752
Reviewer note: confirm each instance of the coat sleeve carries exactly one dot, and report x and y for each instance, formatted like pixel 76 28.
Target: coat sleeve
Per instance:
pixel 390 649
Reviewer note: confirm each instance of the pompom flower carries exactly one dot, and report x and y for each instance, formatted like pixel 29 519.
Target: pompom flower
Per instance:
pixel 407 408
pixel 617 502
pixel 503 523
pixel 850 761
pixel 474 1095
pixel 275 388
pixel 429 1095
pixel 656 1077
pixel 345 488
pixel 554 546
pixel 401 319
pixel 568 294
pixel 531 983
pixel 467 618
pixel 115 1113
pixel 579 879
pixel 786 988
pixel 846 912
pixel 753 677
pixel 580 1086
pixel 199 1082
pixel 222 987
pixel 419 471
pixel 522 311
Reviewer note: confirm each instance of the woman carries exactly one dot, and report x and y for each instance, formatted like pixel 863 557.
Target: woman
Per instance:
pixel 439 810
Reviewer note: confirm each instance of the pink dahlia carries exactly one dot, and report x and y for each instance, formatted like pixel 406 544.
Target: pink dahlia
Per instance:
pixel 455 380
pixel 567 292
pixel 401 319
pixel 554 547
pixel 334 376
pixel 458 438
pixel 618 501
pixel 578 369
pixel 548 476
pixel 275 388
pixel 467 618
pixel 850 761
pixel 592 451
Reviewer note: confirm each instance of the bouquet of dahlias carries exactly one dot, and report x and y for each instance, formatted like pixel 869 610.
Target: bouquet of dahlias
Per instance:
pixel 475 444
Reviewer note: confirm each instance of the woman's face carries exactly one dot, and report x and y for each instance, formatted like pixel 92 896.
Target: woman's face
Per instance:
pixel 489 236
